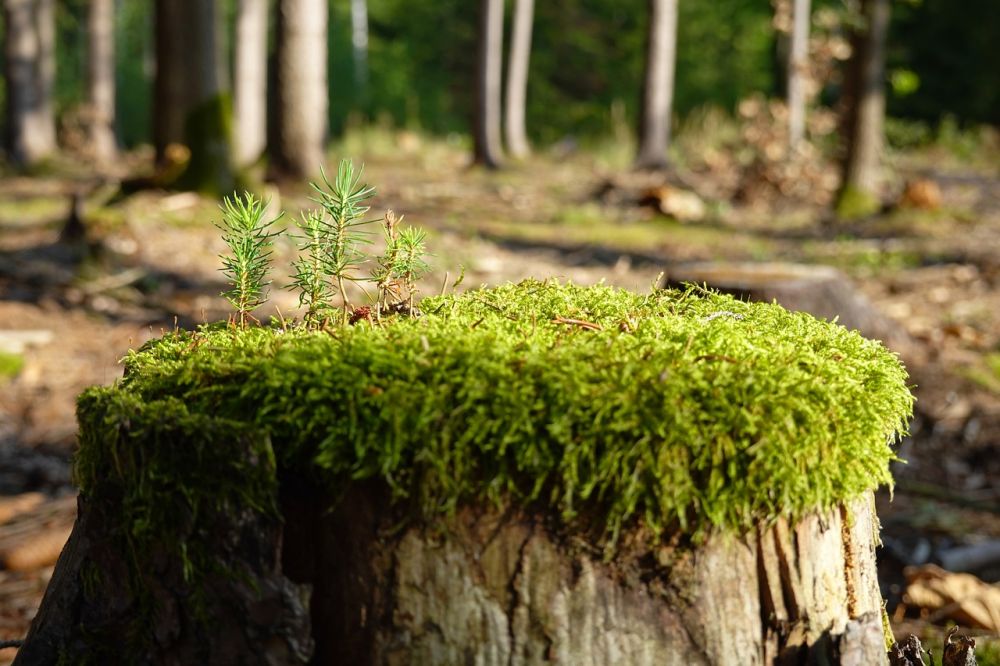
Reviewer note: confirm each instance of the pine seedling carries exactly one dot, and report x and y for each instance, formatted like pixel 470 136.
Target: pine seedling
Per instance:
pixel 343 202
pixel 401 264
pixel 411 264
pixel 309 278
pixel 249 238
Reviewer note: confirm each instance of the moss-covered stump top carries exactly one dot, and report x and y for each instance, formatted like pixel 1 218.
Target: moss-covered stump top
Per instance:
pixel 680 410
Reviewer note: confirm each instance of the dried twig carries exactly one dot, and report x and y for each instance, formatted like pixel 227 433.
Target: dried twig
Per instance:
pixel 589 325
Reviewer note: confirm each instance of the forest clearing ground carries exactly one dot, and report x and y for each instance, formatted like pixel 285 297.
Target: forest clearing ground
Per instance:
pixel 936 274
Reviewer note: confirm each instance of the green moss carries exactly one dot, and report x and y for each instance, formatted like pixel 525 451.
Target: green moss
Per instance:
pixel 208 130
pixel 680 410
pixel 10 365
pixel 854 203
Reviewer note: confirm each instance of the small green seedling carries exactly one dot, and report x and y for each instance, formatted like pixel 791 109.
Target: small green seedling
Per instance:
pixel 344 207
pixel 248 235
pixel 310 278
pixel 400 266
pixel 329 243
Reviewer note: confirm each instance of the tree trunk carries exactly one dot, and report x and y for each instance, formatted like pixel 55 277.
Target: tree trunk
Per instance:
pixel 301 99
pixel 486 587
pixel 29 69
pixel 493 587
pixel 864 113
pixel 798 67
pixel 101 78
pixel 171 95
pixel 487 150
pixel 257 617
pixel 517 79
pixel 250 81
pixel 658 89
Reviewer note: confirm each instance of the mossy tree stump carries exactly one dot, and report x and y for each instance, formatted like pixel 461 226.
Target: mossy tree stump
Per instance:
pixel 529 474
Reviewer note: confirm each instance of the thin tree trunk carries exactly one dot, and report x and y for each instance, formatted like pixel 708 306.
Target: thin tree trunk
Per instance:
pixel 488 150
pixel 359 45
pixel 301 99
pixel 517 78
pixel 46 19
pixel 658 91
pixel 171 96
pixel 101 78
pixel 250 80
pixel 798 63
pixel 865 113
pixel 29 70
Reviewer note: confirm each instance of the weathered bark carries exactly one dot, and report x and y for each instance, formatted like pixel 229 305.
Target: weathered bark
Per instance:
pixel 301 100
pixel 517 79
pixel 864 112
pixel 487 149
pixel 29 69
pixel 499 588
pixel 821 291
pixel 101 78
pixel 798 66
pixel 658 88
pixel 485 587
pixel 250 81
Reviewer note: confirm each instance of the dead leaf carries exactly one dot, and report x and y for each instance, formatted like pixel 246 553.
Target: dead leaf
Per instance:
pixel 957 596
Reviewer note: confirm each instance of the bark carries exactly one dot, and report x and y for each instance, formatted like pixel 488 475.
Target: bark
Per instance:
pixel 798 66
pixel 301 102
pixel 250 81
pixel 171 94
pixel 517 79
pixel 485 586
pixel 498 588
pixel 658 88
pixel 487 149
pixel 819 290
pixel 865 112
pixel 101 78
pixel 29 69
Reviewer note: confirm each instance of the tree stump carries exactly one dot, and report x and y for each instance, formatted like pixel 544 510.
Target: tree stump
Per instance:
pixel 821 291
pixel 537 473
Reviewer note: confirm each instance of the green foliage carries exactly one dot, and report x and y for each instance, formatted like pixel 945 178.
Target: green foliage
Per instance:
pixel 679 410
pixel 249 238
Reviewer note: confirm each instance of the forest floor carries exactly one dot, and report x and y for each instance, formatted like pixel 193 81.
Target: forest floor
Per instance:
pixel 70 310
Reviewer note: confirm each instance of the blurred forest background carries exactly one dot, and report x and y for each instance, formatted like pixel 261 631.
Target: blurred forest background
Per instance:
pixel 713 140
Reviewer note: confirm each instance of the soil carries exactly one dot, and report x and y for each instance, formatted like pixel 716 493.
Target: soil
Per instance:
pixel 149 262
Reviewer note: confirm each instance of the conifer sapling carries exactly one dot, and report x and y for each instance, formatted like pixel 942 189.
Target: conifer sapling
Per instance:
pixel 343 202
pixel 249 237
